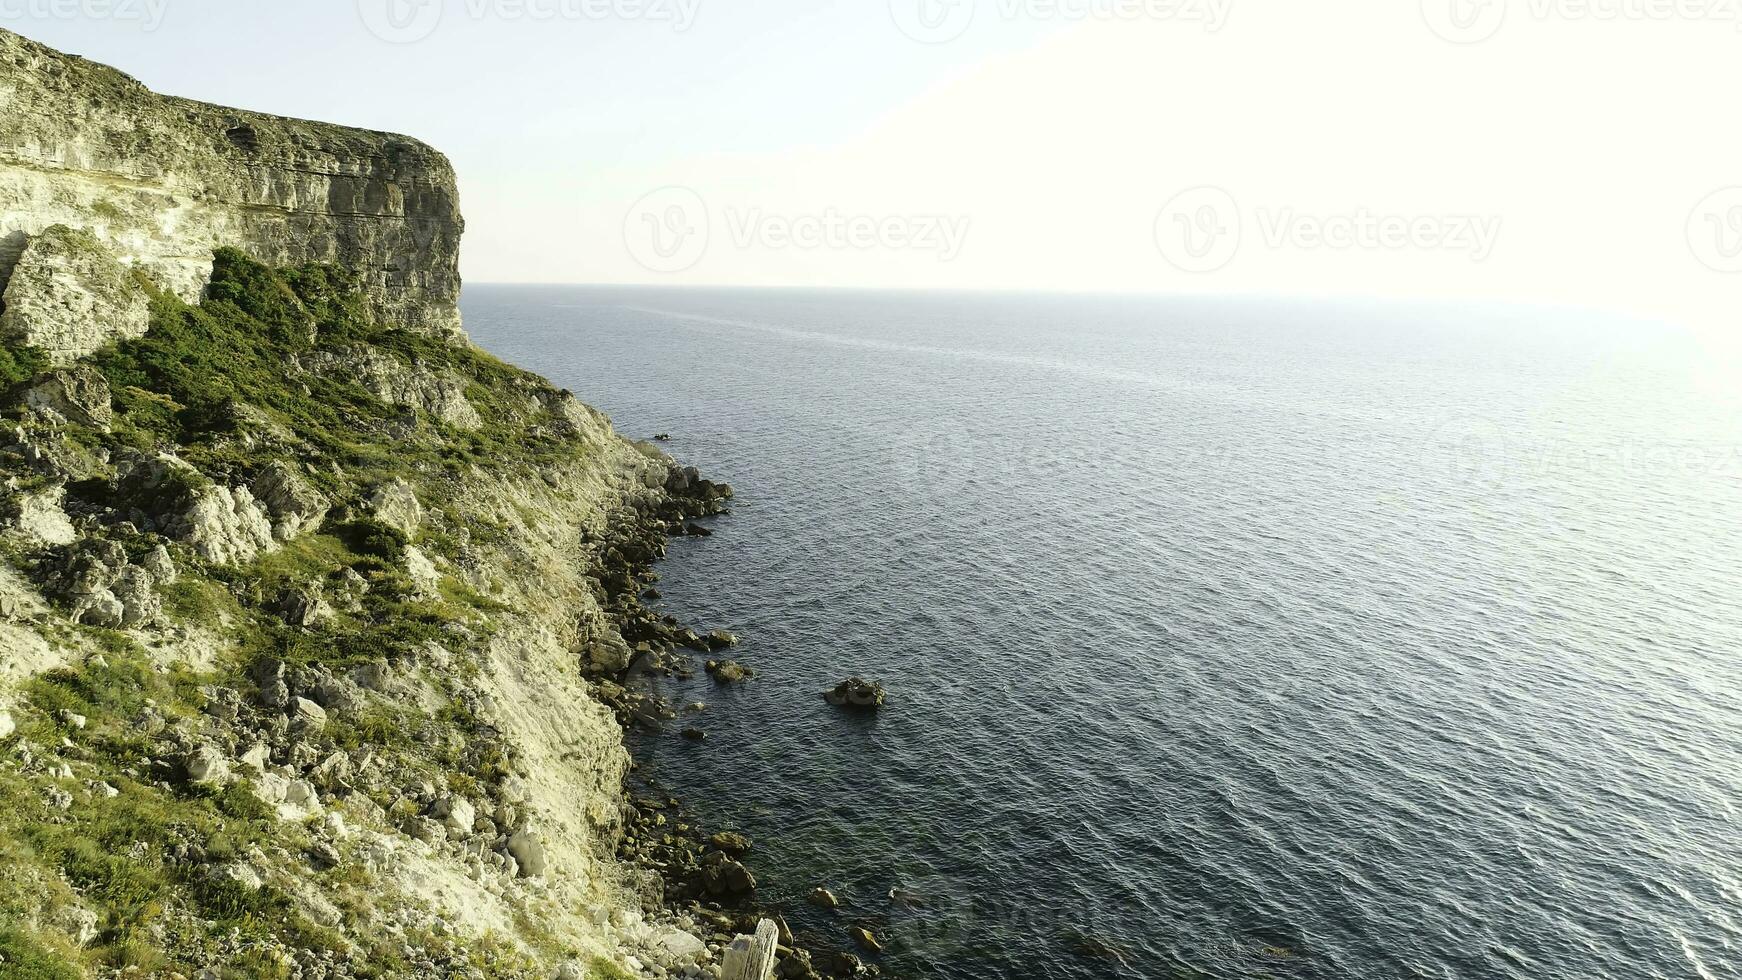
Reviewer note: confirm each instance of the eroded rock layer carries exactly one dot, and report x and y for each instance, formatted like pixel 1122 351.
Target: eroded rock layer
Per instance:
pixel 164 181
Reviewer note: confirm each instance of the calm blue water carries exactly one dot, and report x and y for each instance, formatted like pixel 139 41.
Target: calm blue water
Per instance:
pixel 1252 640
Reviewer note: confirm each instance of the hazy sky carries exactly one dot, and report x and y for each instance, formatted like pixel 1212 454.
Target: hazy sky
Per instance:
pixel 1581 152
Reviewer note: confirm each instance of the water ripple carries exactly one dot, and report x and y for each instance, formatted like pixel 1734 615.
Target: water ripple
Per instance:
pixel 1249 640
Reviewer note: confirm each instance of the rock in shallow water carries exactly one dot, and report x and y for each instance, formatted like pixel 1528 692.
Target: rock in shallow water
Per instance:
pixel 729 671
pixel 858 694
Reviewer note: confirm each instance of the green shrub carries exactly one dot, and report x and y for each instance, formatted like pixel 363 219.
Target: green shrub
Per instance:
pixel 373 538
pixel 23 958
pixel 19 364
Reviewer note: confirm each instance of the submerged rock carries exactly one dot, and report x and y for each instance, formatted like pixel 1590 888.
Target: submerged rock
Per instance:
pixel 724 877
pixel 857 694
pixel 726 842
pixel 729 672
pixel 866 940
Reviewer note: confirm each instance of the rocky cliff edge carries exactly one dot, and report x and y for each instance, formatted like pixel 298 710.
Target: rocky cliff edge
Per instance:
pixel 161 182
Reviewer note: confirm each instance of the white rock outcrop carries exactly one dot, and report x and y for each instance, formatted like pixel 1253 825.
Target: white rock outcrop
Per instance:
pixel 69 296
pixel 395 504
pixel 41 519
pixel 225 525
pixel 294 506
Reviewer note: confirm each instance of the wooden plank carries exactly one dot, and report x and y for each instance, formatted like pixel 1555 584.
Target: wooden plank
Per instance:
pixel 752 957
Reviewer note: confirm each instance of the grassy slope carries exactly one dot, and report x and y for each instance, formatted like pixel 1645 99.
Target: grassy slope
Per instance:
pixel 213 384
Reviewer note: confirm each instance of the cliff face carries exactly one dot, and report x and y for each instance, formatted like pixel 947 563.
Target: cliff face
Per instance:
pixel 163 181
pixel 316 623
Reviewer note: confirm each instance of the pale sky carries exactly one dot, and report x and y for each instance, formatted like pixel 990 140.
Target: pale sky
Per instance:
pixel 1582 153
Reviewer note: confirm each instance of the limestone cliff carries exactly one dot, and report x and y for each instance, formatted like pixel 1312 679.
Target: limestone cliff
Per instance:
pixel 164 181
pixel 315 621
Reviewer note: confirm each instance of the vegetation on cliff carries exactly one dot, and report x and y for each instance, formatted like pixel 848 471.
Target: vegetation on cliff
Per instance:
pixel 255 570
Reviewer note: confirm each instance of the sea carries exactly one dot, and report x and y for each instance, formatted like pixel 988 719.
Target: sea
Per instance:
pixel 1223 638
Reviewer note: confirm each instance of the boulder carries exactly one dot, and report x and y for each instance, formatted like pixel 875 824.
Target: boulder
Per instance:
pixel 140 604
pixel 330 773
pixel 39 518
pixel 720 640
pixel 729 672
pixel 528 850
pixel 70 296
pixel 737 845
pixel 224 525
pixel 395 504
pixel 456 814
pixel 857 694
pixel 302 795
pixel 608 654
pixel 292 504
pixel 79 394
pixel 335 694
pixel 307 715
pixel 865 939
pixel 822 898
pixel 161 566
pixel 79 923
pixel 256 758
pixel 238 873
pixel 726 878
pixel 205 764
pixel 441 395
pixel 423 572
pixel 305 606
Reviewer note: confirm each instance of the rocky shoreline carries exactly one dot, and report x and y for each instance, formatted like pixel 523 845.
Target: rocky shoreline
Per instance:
pixel 686 870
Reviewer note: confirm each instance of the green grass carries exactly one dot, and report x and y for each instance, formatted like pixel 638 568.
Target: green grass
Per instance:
pixel 187 381
pixel 26 959
pixel 215 384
